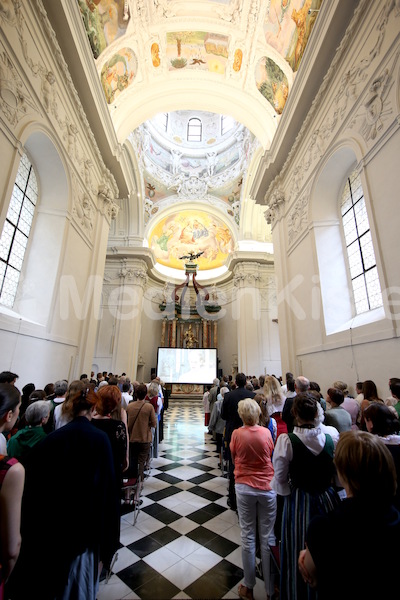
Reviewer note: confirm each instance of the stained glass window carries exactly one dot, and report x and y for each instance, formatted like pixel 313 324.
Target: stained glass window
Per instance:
pixel 360 251
pixel 194 130
pixel 14 238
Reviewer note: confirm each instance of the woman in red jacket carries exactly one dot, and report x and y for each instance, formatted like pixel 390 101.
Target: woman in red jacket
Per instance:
pixel 251 448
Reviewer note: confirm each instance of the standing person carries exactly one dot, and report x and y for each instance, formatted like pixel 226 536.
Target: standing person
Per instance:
pixel 364 524
pixel 304 471
pixel 126 396
pixel 69 511
pixel 337 416
pixel 230 414
pixel 370 394
pixel 206 406
pixel 60 391
pixel 36 415
pixel 251 449
pixel 349 403
pixel 217 424
pixel 301 384
pixel 383 421
pixel 275 402
pixel 12 476
pixel 141 420
pixel 212 397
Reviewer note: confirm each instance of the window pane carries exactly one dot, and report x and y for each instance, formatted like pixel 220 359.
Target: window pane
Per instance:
pixel 367 250
pixel 361 217
pixel 346 202
pixel 18 250
pixel 349 225
pixel 194 130
pixel 25 221
pixel 355 262
pixel 32 189
pixel 22 175
pixel 360 294
pixel 10 285
pixel 373 288
pixel 6 239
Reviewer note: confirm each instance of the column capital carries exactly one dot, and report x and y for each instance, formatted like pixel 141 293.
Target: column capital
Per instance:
pixel 247 274
pixel 133 271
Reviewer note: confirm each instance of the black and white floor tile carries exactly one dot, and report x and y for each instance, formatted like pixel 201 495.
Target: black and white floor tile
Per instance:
pixel 186 541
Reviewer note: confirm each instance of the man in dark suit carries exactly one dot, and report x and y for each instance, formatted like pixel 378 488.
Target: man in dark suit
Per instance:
pixel 230 413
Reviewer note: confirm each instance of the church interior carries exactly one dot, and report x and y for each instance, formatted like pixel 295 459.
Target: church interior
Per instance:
pixel 226 167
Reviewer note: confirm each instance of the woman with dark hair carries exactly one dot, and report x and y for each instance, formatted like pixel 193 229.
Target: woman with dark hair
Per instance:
pixel 383 421
pixel 370 394
pixel 304 472
pixel 12 475
pixel 70 491
pixel 364 524
pixel 26 392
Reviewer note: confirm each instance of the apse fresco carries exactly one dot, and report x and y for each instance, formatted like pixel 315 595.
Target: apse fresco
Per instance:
pixel 118 73
pixel 288 27
pixel 197 50
pixel 272 83
pixel 104 22
pixel 191 231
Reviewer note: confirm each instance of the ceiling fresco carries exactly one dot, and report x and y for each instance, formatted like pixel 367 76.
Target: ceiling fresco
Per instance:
pixel 191 231
pixel 272 83
pixel 118 73
pixel 105 21
pixel 197 50
pixel 288 26
pixel 254 46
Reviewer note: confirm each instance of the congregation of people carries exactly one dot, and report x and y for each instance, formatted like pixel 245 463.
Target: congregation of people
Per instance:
pixel 66 451
pixel 314 483
pixel 312 479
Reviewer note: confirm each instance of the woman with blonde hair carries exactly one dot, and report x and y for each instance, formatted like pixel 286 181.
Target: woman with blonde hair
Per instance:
pixel 275 398
pixel 251 448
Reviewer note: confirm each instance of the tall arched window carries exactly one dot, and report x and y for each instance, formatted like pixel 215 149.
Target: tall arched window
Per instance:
pixel 360 250
pixel 194 130
pixel 16 229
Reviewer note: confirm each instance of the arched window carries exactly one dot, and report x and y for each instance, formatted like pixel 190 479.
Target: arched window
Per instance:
pixel 360 251
pixel 16 229
pixel 227 124
pixel 194 130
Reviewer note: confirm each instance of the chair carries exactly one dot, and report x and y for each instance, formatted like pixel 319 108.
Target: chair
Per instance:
pixel 133 487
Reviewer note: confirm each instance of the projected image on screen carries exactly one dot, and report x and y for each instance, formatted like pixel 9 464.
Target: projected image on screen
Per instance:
pixel 187 365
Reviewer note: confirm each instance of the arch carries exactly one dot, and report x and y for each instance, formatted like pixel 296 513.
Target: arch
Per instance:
pixel 45 246
pixel 185 94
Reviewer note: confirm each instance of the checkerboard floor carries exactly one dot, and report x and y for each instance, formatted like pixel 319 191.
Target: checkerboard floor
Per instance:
pixel 186 541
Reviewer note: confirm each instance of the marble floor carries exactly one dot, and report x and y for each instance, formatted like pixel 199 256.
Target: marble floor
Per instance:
pixel 186 541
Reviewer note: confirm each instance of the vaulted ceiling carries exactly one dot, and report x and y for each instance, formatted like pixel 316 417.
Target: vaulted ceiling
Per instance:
pixel 247 70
